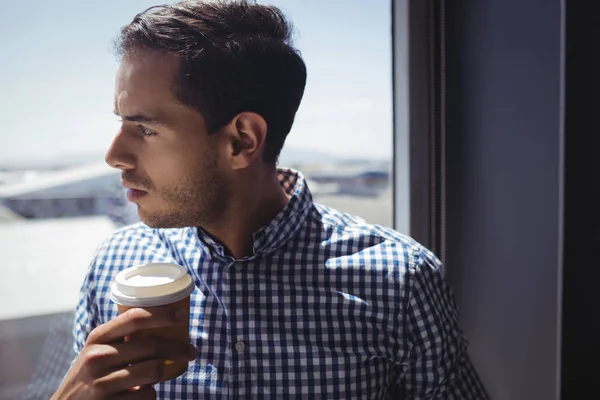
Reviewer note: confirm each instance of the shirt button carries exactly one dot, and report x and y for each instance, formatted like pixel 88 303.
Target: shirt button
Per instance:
pixel 240 346
pixel 238 266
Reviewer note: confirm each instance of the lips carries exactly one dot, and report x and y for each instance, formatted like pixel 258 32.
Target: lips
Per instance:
pixel 133 194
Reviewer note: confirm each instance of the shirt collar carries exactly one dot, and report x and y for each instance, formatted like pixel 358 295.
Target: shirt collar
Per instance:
pixel 273 235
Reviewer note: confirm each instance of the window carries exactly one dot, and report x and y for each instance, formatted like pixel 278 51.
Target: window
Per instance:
pixel 57 197
pixel 342 137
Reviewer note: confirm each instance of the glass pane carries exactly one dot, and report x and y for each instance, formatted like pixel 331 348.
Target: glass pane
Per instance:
pixel 59 200
pixel 342 137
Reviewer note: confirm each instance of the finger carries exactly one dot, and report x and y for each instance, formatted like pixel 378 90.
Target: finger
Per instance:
pixel 135 319
pixel 143 393
pixel 144 373
pixel 111 356
pixel 154 347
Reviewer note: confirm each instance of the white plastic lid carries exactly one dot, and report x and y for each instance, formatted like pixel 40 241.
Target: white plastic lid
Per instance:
pixel 151 285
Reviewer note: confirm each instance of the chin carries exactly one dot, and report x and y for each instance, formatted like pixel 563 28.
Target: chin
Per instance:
pixel 164 221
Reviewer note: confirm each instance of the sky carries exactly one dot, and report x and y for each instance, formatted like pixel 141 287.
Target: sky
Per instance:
pixel 57 76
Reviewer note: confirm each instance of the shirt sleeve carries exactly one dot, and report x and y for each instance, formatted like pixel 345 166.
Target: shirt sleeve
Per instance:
pixel 437 366
pixel 86 313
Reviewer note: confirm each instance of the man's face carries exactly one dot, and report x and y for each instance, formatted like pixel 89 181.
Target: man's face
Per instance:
pixel 170 163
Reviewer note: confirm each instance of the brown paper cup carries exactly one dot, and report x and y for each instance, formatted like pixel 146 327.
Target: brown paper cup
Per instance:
pixel 172 369
pixel 154 285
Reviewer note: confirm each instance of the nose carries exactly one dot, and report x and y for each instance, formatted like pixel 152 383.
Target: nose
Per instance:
pixel 119 155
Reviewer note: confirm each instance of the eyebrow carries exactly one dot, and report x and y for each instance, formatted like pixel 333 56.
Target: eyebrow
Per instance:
pixel 142 118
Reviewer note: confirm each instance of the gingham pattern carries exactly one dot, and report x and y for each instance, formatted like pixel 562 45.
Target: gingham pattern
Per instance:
pixel 328 307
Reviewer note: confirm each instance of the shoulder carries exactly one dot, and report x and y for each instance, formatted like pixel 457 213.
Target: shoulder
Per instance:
pixel 136 244
pixel 375 244
pixel 132 245
pixel 128 236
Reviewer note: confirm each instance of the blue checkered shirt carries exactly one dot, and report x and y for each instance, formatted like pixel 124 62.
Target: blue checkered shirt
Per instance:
pixel 328 307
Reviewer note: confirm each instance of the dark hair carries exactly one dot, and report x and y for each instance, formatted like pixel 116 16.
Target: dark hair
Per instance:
pixel 235 56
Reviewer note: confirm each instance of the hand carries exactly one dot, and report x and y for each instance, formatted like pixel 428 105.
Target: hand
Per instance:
pixel 107 367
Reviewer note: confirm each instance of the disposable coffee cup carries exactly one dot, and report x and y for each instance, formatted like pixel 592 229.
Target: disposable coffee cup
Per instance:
pixel 153 285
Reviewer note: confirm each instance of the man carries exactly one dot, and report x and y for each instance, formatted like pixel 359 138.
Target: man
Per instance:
pixel 293 299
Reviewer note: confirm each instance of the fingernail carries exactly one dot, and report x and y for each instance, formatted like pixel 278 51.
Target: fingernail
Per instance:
pixel 182 315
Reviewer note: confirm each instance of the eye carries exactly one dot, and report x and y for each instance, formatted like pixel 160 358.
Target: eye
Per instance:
pixel 145 131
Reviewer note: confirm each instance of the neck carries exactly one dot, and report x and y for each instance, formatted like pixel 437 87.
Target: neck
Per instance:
pixel 253 206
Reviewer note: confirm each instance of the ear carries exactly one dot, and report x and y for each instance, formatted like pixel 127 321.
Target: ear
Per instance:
pixel 248 133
